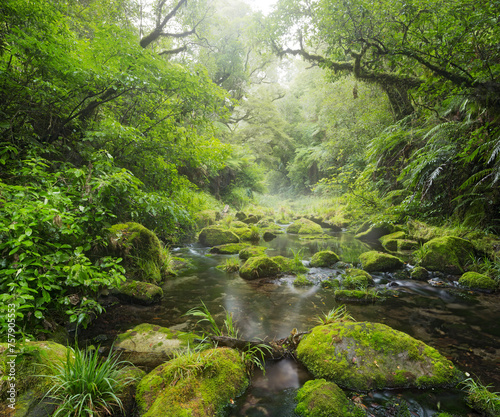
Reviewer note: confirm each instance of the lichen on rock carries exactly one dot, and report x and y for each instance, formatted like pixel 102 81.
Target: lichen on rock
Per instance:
pixel 365 356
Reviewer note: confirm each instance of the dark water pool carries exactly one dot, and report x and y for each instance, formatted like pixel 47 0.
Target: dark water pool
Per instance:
pixel 463 326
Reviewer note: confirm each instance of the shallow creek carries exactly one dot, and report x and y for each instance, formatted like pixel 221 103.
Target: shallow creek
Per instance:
pixel 463 326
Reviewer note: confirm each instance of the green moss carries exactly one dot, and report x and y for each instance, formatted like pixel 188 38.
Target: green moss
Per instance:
pixel 447 254
pixel 140 292
pixel 374 261
pixel 250 251
pixel 477 281
pixel 324 258
pixel 195 384
pixel 302 281
pixel 206 218
pixel 289 266
pixel 304 227
pixel 319 398
pixel 364 356
pixel 259 267
pixel 246 233
pixel 239 225
pixel 356 295
pixel 141 250
pixel 392 236
pixel 229 248
pixel 376 231
pixel 356 279
pixel 217 235
pixel 406 244
pixel 419 273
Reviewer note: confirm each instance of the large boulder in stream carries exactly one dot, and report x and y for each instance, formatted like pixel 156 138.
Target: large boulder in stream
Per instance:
pixel 324 258
pixel 366 356
pixel 194 384
pixel 320 398
pixel 138 292
pixel 150 345
pixel 448 254
pixel 217 235
pixel 259 267
pixel 476 281
pixel 304 227
pixel 374 261
pixel 142 252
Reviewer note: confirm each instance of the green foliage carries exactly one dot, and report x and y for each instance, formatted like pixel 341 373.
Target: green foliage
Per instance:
pixel 301 281
pixel 228 328
pixel 337 314
pixel 231 265
pixel 481 398
pixel 86 385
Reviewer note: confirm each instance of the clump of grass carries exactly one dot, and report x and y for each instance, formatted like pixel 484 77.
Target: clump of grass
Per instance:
pixel 228 327
pixel 231 265
pixel 255 356
pixel 168 261
pixel 481 399
pixel 301 281
pixel 339 314
pixel 86 385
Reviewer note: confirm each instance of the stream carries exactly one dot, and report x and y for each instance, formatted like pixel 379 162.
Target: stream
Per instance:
pixel 462 325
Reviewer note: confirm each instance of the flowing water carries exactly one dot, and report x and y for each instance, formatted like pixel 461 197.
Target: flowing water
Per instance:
pixel 463 326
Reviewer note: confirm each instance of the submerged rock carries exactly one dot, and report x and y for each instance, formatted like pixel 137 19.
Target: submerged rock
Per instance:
pixel 476 281
pixel 319 398
pixel 217 235
pixel 259 267
pixel 149 345
pixel 194 384
pixel 142 252
pixel 365 356
pixel 138 292
pixel 304 227
pixel 374 261
pixel 324 258
pixel 447 254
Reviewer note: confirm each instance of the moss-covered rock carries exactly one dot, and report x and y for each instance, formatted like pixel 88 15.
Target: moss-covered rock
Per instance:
pixel 302 281
pixel 319 398
pixel 366 356
pixel 206 218
pixel 240 216
pixel 376 231
pixel 196 384
pixel 289 266
pixel 356 279
pixel 229 248
pixel 374 261
pixel 357 296
pixel 127 396
pixel 250 251
pixel 150 345
pixel 142 252
pixel 304 227
pixel 238 225
pixel 407 244
pixel 246 233
pixel 447 254
pixel 392 236
pixel 32 359
pixel 476 281
pixel 419 273
pixel 251 219
pixel 324 258
pixel 259 267
pixel 138 292
pixel 268 236
pixel 216 236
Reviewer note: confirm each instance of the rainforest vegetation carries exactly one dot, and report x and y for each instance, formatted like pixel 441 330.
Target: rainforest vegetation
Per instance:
pixel 153 112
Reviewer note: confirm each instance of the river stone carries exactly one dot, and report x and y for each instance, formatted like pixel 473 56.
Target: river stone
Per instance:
pixel 141 250
pixel 476 281
pixel 245 233
pixel 448 254
pixel 324 258
pixel 217 235
pixel 195 384
pixel 374 261
pixel 366 356
pixel 356 279
pixel 268 236
pixel 206 218
pixel 229 248
pixel 138 292
pixel 304 226
pixel 149 345
pixel 419 273
pixel 320 398
pixel 250 251
pixel 376 231
pixel 259 267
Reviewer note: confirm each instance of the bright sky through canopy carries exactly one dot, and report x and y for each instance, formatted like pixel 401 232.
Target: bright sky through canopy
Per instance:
pixel 262 5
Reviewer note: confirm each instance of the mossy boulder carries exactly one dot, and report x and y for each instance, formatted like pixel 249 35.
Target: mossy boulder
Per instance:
pixel 356 279
pixel 206 218
pixel 447 254
pixel 268 236
pixel 142 252
pixel 376 231
pixel 250 251
pixel 366 356
pixel 356 296
pixel 259 267
pixel 127 395
pixel 392 236
pixel 240 216
pixel 406 245
pixel 238 225
pixel 229 248
pixel 476 281
pixel 32 358
pixel 216 236
pixel 251 219
pixel 324 258
pixel 289 266
pixel 374 261
pixel 195 384
pixel 246 233
pixel 138 292
pixel 320 398
pixel 419 273
pixel 150 345
pixel 304 227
